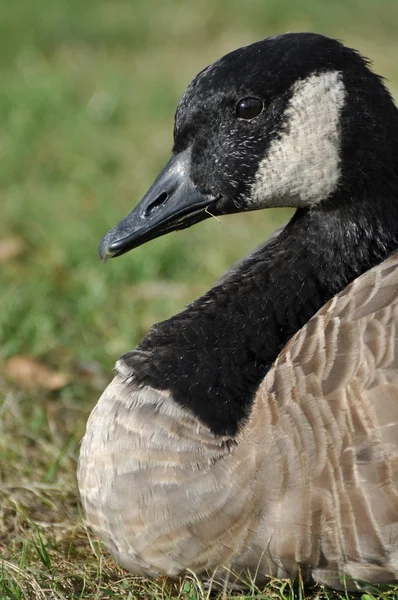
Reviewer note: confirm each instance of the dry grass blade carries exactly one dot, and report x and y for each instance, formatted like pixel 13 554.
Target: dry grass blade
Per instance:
pixel 30 373
pixel 11 248
pixel 24 579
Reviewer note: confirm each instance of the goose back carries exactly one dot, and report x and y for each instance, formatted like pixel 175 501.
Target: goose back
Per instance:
pixel 309 484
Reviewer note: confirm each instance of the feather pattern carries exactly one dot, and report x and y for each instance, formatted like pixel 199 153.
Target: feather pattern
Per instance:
pixel 309 483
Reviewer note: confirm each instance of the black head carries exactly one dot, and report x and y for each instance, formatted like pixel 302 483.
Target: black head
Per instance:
pixel 288 121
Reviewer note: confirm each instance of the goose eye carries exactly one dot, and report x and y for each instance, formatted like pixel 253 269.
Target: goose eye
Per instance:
pixel 248 108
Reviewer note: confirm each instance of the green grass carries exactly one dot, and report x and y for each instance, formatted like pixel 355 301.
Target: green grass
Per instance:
pixel 87 96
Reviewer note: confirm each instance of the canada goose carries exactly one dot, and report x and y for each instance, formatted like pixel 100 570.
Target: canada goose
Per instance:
pixel 257 431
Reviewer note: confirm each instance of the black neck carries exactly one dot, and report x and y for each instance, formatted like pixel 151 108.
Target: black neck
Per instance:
pixel 213 355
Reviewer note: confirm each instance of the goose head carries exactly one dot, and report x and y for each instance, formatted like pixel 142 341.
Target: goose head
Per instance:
pixel 296 120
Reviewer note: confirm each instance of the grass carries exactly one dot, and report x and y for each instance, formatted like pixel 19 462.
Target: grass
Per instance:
pixel 87 95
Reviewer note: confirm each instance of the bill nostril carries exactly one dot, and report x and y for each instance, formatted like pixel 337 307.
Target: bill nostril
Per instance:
pixel 160 200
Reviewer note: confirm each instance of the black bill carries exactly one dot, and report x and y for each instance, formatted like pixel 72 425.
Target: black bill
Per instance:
pixel 172 203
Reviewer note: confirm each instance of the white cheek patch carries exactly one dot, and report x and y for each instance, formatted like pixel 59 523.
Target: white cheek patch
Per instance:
pixel 302 166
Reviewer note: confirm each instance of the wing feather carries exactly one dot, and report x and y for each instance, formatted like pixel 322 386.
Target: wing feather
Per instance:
pixel 309 483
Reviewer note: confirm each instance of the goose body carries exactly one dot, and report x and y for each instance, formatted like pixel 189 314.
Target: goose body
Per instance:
pixel 255 434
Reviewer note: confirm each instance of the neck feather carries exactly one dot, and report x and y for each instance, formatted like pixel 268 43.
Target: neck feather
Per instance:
pixel 213 355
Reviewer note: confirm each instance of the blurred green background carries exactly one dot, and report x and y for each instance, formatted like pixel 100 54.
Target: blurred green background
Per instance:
pixel 87 99
pixel 88 90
